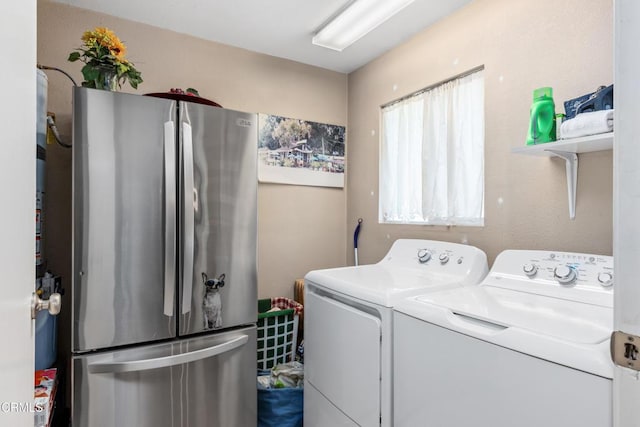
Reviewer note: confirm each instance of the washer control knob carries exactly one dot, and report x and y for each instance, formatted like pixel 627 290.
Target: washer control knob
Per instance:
pixel 424 255
pixel 444 258
pixel 605 279
pixel 530 269
pixel 564 274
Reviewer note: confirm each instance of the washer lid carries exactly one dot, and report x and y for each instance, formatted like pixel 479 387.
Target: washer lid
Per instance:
pixel 558 318
pixel 380 284
pixel 571 333
pixel 401 274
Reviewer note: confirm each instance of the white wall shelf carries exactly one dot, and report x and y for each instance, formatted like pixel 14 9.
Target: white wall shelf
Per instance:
pixel 568 149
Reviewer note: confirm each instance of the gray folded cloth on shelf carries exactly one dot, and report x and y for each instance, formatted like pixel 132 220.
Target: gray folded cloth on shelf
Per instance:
pixel 584 124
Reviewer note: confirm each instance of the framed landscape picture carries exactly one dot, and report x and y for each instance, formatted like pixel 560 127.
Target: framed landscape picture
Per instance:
pixel 298 152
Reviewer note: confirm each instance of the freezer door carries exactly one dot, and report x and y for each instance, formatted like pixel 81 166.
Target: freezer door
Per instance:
pixel 124 219
pixel 218 217
pixel 203 381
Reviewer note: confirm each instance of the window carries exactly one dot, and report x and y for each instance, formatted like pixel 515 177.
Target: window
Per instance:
pixel 432 155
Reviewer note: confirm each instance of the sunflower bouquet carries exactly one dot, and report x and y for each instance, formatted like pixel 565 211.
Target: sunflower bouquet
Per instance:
pixel 105 64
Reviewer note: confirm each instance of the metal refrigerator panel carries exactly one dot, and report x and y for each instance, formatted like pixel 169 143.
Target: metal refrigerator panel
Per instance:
pixel 207 381
pixel 123 229
pixel 218 218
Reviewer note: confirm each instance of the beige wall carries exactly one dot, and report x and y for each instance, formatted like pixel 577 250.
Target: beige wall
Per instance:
pixel 522 45
pixel 299 228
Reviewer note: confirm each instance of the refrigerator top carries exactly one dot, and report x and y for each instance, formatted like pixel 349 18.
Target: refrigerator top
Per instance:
pixel 185 98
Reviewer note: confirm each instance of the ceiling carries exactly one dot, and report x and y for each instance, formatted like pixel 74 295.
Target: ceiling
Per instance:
pixel 281 28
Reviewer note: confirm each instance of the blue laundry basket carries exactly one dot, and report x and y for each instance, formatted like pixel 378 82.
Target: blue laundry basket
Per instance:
pixel 280 407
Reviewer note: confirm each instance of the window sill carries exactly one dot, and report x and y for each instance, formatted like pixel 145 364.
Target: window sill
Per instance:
pixel 435 223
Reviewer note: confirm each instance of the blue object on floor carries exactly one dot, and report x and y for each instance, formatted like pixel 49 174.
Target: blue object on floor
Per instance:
pixel 46 341
pixel 280 407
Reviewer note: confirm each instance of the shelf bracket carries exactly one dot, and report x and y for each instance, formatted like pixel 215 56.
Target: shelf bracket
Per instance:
pixel 571 166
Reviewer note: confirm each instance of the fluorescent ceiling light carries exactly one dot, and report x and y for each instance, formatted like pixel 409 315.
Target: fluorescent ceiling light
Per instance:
pixel 356 20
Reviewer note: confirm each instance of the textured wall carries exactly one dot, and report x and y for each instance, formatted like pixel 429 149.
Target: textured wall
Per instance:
pixel 523 45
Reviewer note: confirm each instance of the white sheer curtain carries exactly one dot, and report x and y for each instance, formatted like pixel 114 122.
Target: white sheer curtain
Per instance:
pixel 432 156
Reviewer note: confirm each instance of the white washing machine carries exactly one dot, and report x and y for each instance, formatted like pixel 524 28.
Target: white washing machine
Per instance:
pixel 348 327
pixel 528 347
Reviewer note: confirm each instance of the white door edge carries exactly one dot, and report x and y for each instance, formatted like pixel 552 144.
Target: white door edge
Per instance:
pixel 17 215
pixel 626 199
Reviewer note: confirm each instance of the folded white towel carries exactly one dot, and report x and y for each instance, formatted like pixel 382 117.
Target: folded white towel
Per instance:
pixel 584 124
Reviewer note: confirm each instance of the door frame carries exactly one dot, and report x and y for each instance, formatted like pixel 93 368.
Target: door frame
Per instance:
pixel 17 216
pixel 626 202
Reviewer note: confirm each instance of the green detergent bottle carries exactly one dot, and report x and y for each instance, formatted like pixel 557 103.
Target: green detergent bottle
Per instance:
pixel 542 126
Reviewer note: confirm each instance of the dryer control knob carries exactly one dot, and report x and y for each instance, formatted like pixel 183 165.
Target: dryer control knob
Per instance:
pixel 530 269
pixel 444 258
pixel 424 255
pixel 564 274
pixel 605 279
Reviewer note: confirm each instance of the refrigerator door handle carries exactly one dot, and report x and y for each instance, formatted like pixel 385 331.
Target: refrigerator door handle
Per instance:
pixel 167 361
pixel 189 218
pixel 170 217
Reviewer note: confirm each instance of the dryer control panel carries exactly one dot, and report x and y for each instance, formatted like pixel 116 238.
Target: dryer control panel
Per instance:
pixel 416 252
pixel 576 276
pixel 467 263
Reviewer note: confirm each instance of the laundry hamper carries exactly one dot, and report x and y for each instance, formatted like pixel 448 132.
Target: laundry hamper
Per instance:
pixel 277 331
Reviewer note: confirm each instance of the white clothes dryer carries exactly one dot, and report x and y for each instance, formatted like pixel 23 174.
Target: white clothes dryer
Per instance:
pixel 528 347
pixel 348 326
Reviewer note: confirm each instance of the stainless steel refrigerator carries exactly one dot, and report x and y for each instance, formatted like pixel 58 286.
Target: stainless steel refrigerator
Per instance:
pixel 164 263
